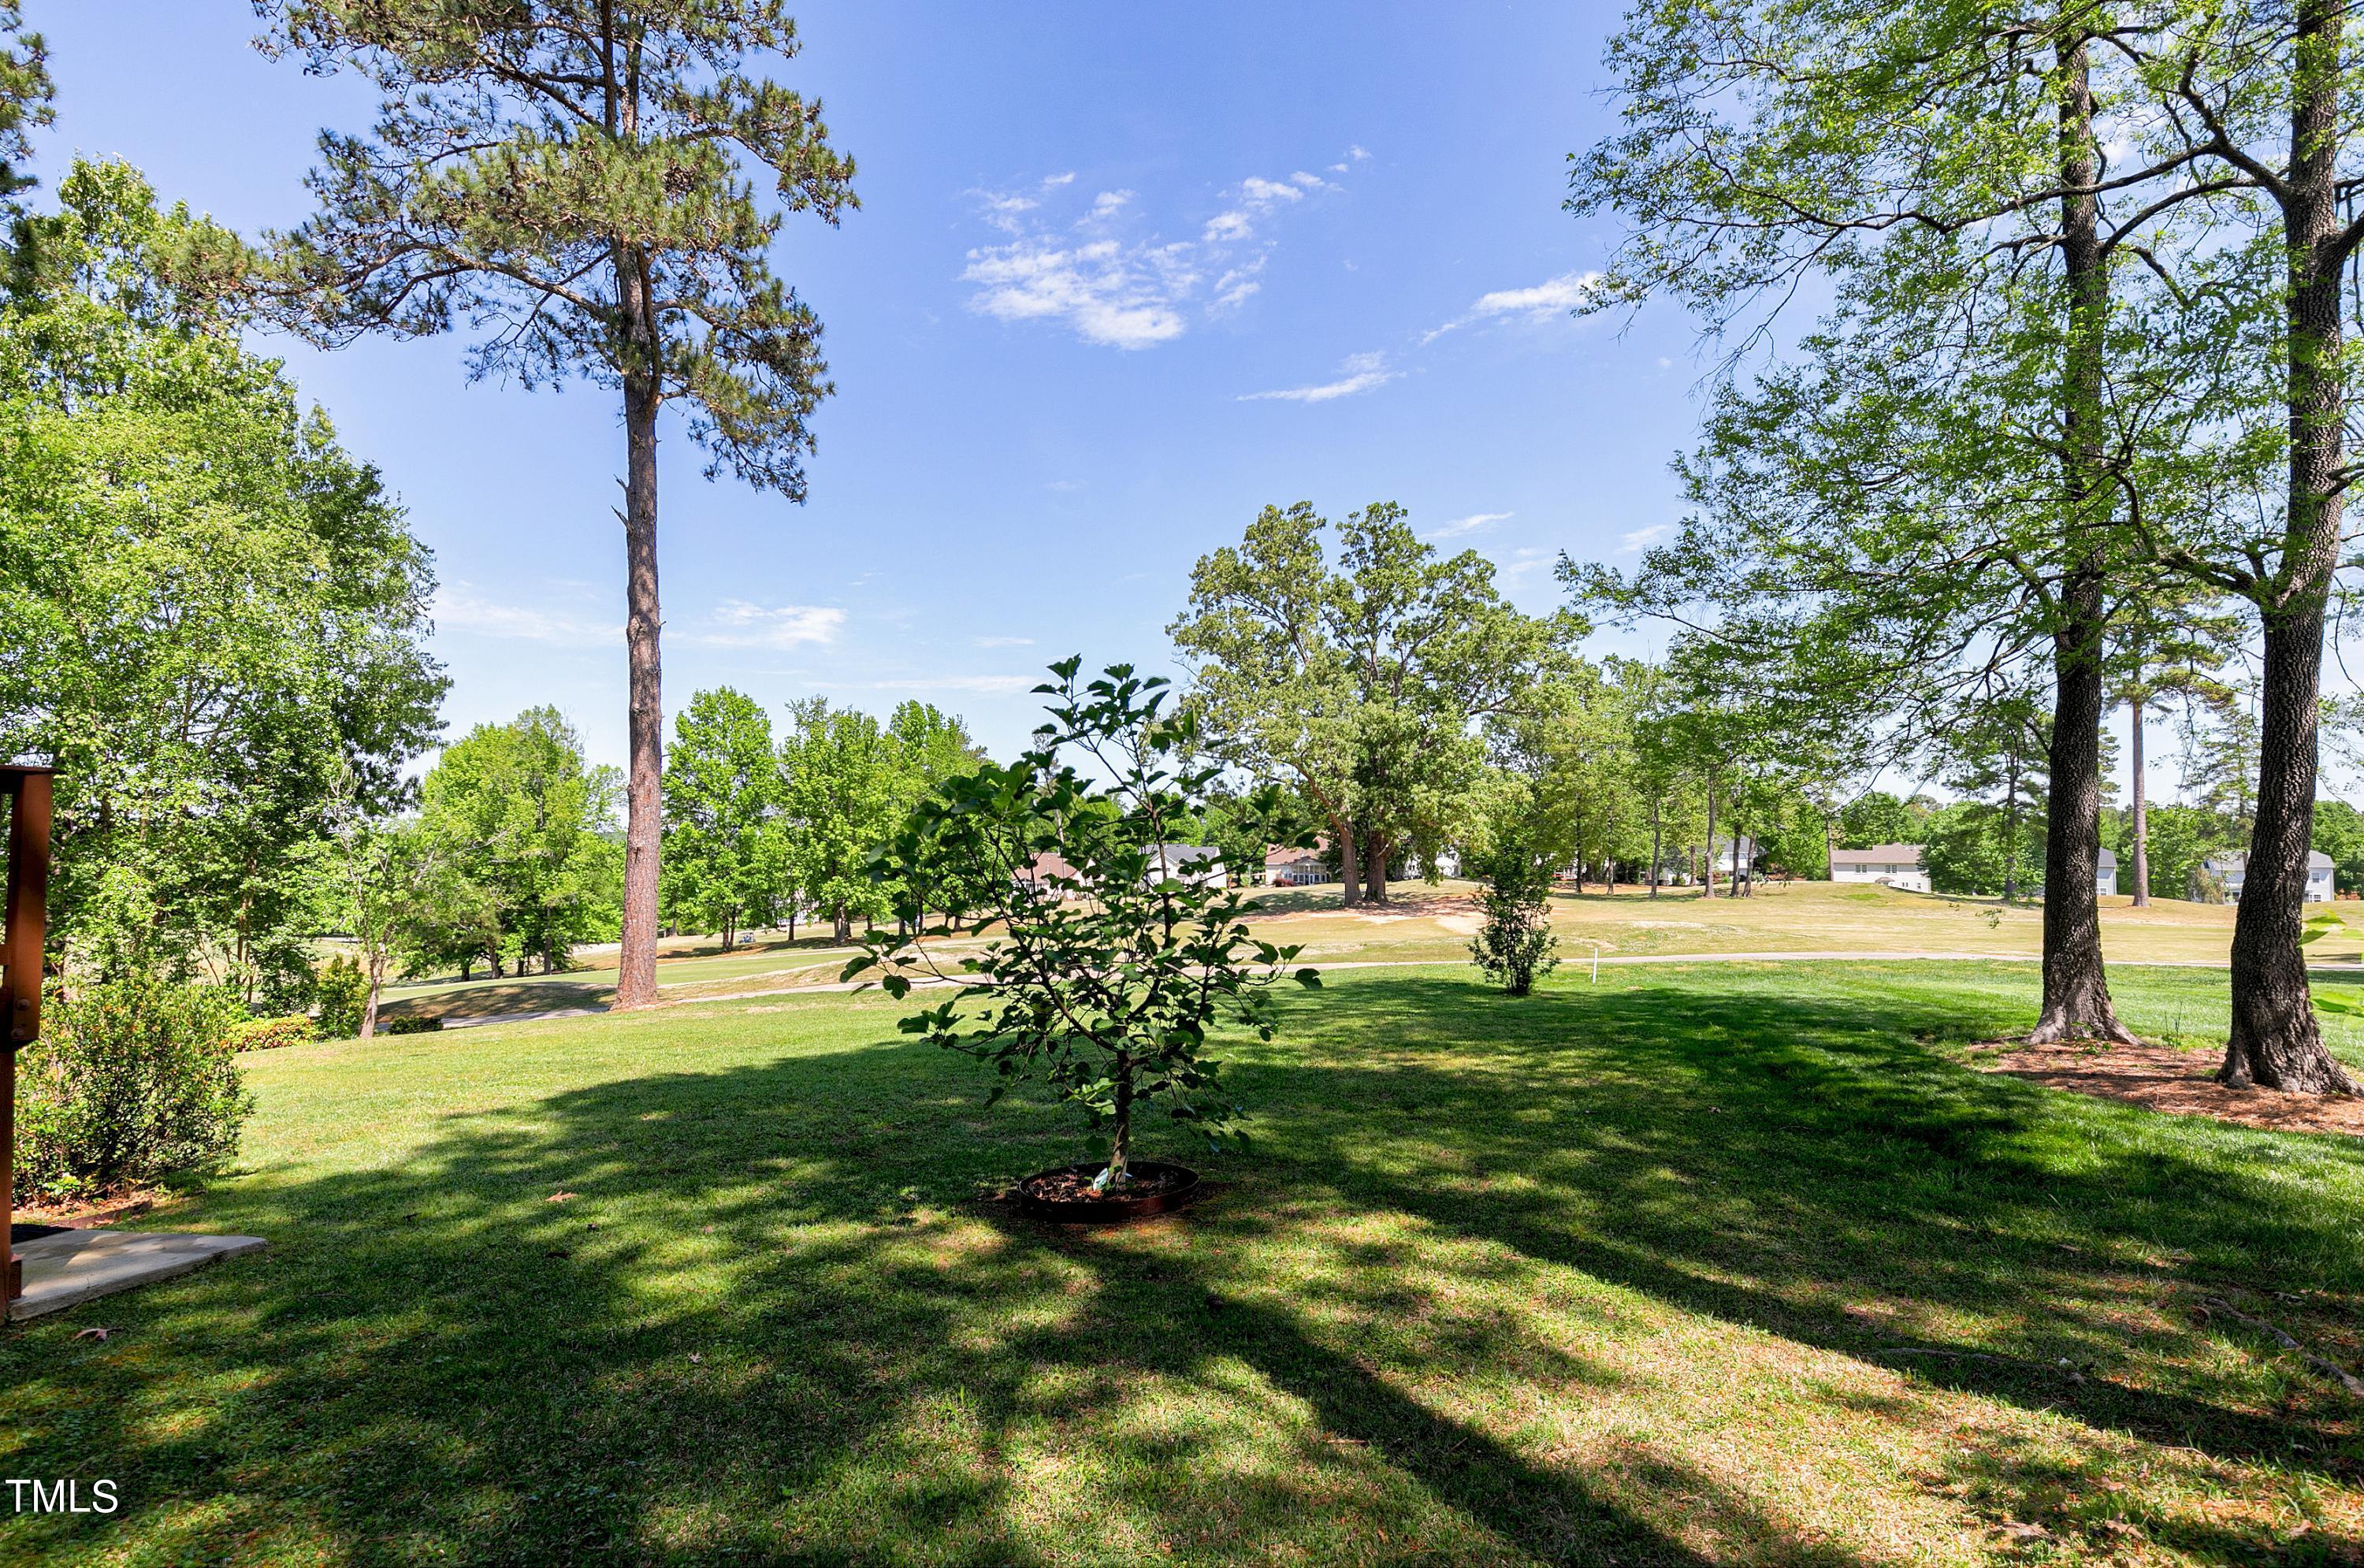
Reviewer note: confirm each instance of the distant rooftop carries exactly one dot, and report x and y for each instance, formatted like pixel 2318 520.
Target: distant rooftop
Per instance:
pixel 1878 856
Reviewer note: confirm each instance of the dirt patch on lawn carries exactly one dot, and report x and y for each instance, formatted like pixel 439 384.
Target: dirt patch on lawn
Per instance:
pixel 2181 1083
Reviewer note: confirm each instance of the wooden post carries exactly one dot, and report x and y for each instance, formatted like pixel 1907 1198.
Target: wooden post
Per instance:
pixel 22 927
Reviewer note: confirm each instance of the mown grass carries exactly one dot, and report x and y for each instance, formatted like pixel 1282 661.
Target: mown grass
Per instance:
pixel 1617 1274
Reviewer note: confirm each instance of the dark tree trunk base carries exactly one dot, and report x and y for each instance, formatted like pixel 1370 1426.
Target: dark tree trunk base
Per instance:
pixel 2295 1063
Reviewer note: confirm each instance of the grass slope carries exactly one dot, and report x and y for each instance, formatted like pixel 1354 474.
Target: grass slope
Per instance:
pixel 1614 1273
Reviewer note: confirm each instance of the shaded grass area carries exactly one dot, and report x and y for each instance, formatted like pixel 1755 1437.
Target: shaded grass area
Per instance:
pixel 1727 1264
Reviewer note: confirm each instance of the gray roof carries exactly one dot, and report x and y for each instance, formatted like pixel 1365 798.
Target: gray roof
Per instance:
pixel 2239 861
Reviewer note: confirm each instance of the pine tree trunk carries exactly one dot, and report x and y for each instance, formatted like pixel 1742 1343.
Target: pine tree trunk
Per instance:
pixel 2076 986
pixel 2275 1044
pixel 636 962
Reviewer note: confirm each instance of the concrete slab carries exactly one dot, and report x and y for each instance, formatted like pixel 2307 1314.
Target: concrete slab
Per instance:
pixel 75 1266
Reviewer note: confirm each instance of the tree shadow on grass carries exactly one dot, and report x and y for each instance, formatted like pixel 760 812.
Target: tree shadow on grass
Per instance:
pixel 764 1327
pixel 1807 1165
pixel 760 1325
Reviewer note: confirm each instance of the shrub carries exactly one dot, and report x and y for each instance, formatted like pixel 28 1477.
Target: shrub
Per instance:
pixel 270 1034
pixel 409 1024
pixel 133 1080
pixel 343 992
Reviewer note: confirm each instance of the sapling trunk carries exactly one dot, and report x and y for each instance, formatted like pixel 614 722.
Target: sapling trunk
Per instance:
pixel 1119 1164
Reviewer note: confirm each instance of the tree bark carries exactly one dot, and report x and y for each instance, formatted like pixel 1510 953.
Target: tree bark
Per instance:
pixel 636 962
pixel 1350 865
pixel 844 928
pixel 1707 881
pixel 2076 986
pixel 1375 867
pixel 369 1008
pixel 2275 1042
pixel 2011 827
pixel 1653 849
pixel 2141 804
pixel 1120 1166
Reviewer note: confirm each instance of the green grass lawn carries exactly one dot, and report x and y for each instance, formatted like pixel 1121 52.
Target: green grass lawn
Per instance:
pixel 1615 1274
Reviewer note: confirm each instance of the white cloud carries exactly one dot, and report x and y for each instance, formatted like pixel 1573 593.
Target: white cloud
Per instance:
pixel 1551 300
pixel 1261 193
pixel 1363 371
pixel 1088 274
pixel 1356 153
pixel 458 607
pixel 1005 642
pixel 1052 181
pixel 1522 562
pixel 1236 284
pixel 1641 539
pixel 1469 524
pixel 735 623
pixel 1226 227
pixel 1065 484
pixel 1107 292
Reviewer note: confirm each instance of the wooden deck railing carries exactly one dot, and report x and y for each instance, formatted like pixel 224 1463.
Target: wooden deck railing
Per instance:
pixel 23 920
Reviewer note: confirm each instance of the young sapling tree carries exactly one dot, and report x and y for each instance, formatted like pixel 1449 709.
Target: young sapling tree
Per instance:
pixel 1515 945
pixel 1114 960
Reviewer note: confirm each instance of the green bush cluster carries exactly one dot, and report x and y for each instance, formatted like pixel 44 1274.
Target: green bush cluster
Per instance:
pixel 343 992
pixel 131 1081
pixel 412 1024
pixel 270 1034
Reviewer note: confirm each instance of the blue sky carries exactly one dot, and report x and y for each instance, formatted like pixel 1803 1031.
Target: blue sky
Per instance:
pixel 1122 275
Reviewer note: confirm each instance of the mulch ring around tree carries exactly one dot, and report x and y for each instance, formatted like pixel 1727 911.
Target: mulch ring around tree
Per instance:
pixel 2163 1078
pixel 1157 1188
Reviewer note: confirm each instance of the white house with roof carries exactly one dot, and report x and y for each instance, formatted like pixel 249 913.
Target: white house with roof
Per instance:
pixel 1891 865
pixel 2232 869
pixel 2105 874
pixel 1194 865
pixel 1295 867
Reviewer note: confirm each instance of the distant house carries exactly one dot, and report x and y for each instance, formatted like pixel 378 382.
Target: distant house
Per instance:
pixel 1294 868
pixel 2231 870
pixel 1036 876
pixel 1891 865
pixel 1195 865
pixel 2105 874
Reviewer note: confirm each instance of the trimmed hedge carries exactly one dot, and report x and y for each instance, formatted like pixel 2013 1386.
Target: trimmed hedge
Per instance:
pixel 270 1034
